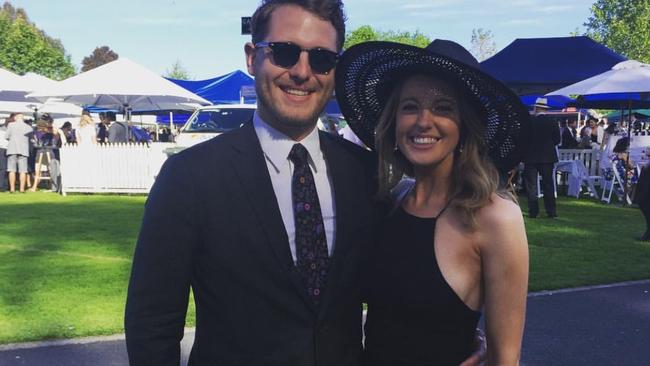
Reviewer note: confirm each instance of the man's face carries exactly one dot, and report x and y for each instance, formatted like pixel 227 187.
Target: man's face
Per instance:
pixel 291 99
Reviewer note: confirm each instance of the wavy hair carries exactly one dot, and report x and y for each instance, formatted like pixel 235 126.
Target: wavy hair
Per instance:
pixel 474 178
pixel 85 120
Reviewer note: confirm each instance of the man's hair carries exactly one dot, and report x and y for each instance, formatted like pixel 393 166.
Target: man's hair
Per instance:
pixel 110 116
pixel 67 124
pixel 474 178
pixel 329 10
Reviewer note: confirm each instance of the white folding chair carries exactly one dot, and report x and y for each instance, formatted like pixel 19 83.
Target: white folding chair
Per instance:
pixel 587 180
pixel 611 184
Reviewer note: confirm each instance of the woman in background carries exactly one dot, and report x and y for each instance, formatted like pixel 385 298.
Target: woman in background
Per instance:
pixel 86 133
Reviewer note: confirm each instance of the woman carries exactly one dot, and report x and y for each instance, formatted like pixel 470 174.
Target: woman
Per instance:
pixel 623 164
pixel 86 133
pixel 454 244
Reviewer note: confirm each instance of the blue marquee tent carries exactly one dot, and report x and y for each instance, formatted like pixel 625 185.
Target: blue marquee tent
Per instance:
pixel 231 88
pixel 225 89
pixel 541 65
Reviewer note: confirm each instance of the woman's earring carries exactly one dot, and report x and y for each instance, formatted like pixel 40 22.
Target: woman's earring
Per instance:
pixel 396 148
pixel 460 148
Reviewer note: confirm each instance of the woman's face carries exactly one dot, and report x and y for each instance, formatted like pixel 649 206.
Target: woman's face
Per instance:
pixel 427 122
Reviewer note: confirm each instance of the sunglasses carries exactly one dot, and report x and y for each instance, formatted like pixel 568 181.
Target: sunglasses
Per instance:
pixel 287 54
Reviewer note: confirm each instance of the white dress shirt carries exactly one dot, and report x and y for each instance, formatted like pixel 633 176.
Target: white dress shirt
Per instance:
pixel 276 147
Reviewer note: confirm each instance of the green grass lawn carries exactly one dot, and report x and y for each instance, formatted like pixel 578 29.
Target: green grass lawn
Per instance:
pixel 65 261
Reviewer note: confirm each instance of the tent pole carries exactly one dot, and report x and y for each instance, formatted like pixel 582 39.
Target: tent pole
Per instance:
pixel 626 189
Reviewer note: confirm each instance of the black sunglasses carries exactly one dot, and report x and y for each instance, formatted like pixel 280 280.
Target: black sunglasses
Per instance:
pixel 287 54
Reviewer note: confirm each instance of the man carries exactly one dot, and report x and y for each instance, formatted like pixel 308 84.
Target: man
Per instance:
pixel 540 159
pixel 102 130
pixel 220 219
pixel 3 156
pixel 19 134
pixel 569 135
pixel 118 132
pixel 65 133
pixel 266 223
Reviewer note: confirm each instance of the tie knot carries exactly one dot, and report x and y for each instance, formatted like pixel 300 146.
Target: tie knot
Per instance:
pixel 299 155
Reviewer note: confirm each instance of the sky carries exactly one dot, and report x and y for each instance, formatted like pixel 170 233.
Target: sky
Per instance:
pixel 205 35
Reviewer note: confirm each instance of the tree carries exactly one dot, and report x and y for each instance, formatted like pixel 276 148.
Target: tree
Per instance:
pixel 575 33
pixel 367 33
pixel 483 45
pixel 100 56
pixel 25 48
pixel 622 25
pixel 178 72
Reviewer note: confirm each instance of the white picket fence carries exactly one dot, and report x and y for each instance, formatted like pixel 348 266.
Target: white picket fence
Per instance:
pixel 111 168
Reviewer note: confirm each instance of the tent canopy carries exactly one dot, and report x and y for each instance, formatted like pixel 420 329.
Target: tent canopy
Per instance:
pixel 541 65
pixel 224 89
pixel 121 84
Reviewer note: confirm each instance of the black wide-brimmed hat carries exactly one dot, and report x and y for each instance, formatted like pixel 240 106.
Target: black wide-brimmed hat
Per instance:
pixel 367 72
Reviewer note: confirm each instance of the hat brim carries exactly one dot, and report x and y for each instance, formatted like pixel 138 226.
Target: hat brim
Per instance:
pixel 367 72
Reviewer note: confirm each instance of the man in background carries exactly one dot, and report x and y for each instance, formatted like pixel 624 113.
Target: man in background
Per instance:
pixel 18 135
pixel 570 135
pixel 540 158
pixel 118 132
pixel 4 185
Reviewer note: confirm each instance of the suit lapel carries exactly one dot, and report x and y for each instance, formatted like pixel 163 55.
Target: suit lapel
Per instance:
pixel 252 172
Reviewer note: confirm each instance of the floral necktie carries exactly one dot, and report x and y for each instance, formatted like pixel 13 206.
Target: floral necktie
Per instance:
pixel 311 243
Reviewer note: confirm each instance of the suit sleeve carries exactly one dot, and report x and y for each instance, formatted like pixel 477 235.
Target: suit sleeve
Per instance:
pixel 555 132
pixel 162 266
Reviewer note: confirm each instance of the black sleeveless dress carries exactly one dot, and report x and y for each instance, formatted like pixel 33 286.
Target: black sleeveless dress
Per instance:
pixel 414 318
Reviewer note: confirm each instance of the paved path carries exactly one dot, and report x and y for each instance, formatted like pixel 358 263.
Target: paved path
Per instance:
pixel 604 325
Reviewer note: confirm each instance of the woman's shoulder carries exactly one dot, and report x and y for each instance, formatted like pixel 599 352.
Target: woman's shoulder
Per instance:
pixel 499 218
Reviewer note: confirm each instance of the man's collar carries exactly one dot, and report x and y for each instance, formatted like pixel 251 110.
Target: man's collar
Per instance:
pixel 276 145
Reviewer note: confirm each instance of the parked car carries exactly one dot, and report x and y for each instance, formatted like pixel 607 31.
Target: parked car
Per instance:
pixel 209 121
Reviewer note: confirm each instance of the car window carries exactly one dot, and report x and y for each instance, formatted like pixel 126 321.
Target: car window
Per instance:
pixel 219 120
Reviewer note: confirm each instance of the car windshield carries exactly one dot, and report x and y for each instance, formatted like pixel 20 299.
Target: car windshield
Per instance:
pixel 220 120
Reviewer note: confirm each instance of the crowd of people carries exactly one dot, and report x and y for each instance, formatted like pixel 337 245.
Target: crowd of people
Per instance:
pixel 551 133
pixel 26 145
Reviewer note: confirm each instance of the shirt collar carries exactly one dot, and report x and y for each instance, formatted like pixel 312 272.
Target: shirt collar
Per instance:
pixel 276 145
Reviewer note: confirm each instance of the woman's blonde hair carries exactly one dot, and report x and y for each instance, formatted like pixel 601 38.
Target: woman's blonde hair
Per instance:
pixel 474 177
pixel 86 120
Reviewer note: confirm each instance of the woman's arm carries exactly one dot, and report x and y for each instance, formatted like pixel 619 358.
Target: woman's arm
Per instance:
pixel 504 258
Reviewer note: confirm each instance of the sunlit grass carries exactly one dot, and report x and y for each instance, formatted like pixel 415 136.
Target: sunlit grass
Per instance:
pixel 65 261
pixel 65 264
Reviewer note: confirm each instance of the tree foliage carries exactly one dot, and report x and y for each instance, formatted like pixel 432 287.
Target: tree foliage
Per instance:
pixel 367 33
pixel 483 45
pixel 622 25
pixel 100 56
pixel 25 48
pixel 178 71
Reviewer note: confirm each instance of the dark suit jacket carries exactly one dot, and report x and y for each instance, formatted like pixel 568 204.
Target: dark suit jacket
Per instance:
pixel 568 139
pixel 545 135
pixel 212 222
